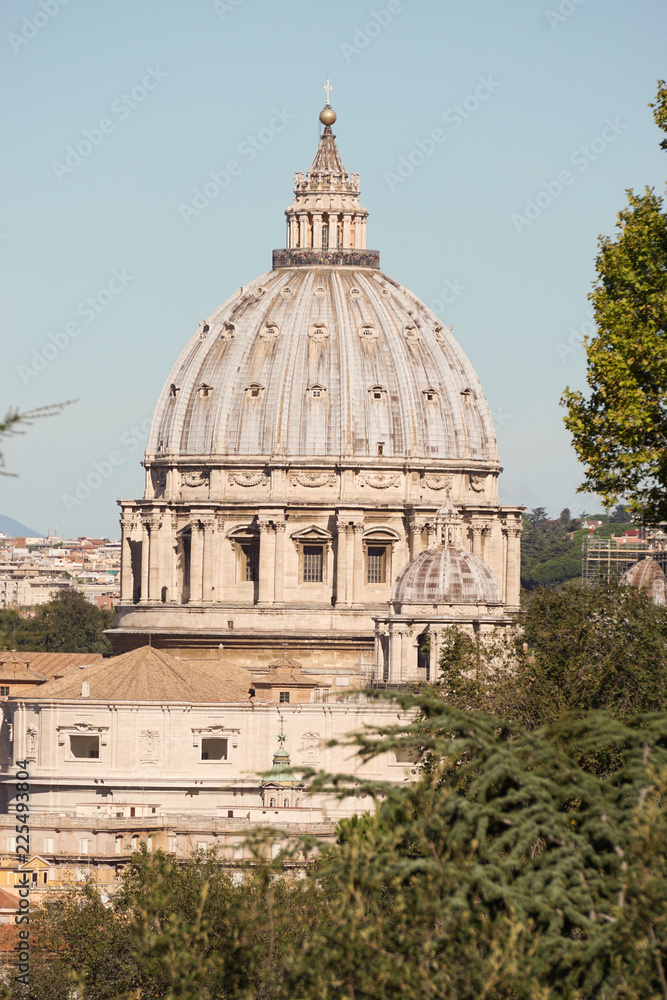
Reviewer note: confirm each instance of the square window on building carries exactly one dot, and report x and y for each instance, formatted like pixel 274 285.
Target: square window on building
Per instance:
pixel 313 564
pixel 202 845
pixel 84 747
pixel 284 697
pixel 213 748
pixel 48 845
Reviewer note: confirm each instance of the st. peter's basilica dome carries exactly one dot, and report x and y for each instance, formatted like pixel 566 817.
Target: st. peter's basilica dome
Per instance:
pixel 299 450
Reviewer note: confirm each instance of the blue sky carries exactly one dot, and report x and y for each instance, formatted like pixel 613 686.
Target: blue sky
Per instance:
pixel 458 116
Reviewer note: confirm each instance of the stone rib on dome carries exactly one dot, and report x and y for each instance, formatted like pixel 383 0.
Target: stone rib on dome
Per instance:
pixel 244 383
pixel 446 575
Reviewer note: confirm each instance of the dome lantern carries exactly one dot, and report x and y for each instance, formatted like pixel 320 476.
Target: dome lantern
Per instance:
pixel 326 224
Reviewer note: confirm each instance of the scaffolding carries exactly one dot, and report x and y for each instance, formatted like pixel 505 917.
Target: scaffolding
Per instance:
pixel 608 558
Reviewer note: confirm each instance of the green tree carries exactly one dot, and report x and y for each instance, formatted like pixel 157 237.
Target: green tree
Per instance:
pixel 578 650
pixel 68 623
pixel 620 429
pixel 537 515
pixel 620 515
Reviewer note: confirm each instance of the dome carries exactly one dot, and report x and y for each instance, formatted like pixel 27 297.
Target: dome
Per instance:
pixel 323 361
pixel 446 575
pixel 648 574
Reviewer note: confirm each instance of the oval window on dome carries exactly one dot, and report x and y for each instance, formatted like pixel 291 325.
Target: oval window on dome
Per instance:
pixel 355 293
pixel 319 292
pixel 411 333
pixel 318 332
pixel 367 332
pixel 228 331
pixel 377 392
pixel 204 390
pixel 385 293
pixel 286 292
pixel 254 390
pixel 258 292
pixel 269 332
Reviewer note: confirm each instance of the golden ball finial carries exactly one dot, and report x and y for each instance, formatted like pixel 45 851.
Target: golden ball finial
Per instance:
pixel 327 115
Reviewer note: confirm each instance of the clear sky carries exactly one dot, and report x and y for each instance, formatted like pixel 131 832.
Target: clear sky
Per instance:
pixel 495 142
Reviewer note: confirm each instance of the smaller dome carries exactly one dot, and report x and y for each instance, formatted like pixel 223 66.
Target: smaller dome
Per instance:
pixel 446 575
pixel 648 574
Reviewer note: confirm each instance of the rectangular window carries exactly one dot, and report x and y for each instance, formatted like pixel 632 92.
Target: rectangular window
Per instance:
pixel 284 697
pixel 11 844
pixel 83 845
pixel 172 845
pixel 48 845
pixel 3 691
pixel 201 845
pixel 213 749
pixel 376 564
pixel 84 747
pixel 250 562
pixel 313 564
pixel 238 852
pixel 119 845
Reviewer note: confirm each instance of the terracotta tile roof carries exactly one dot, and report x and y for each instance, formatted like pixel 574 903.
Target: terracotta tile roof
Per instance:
pixel 149 674
pixel 16 667
pixel 55 664
pixel 7 901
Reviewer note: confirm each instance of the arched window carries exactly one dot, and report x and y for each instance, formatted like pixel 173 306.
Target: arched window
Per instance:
pixel 286 803
pixel 325 236
pixel 272 803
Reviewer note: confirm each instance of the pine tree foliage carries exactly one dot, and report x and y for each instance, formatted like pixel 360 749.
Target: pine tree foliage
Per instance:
pixel 506 870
